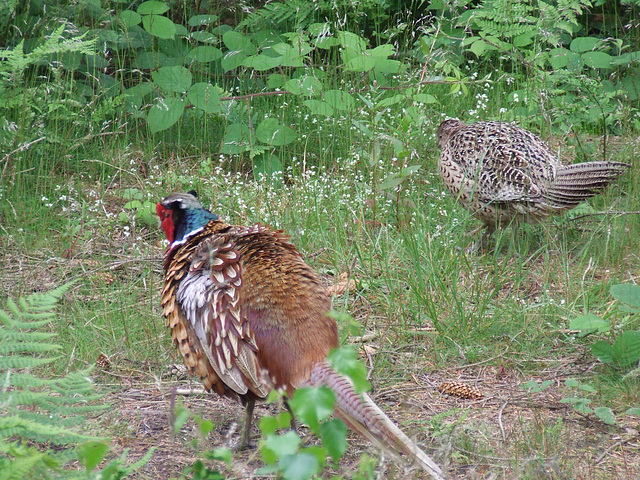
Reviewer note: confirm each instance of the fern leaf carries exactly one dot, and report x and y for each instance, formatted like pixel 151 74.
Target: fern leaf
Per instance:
pixel 16 361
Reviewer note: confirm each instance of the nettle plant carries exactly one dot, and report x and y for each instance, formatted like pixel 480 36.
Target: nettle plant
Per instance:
pixel 576 79
pixel 156 65
pixel 622 354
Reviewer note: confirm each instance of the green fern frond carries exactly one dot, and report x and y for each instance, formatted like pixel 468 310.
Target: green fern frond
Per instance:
pixel 15 61
pixel 33 347
pixel 277 13
pixel 35 411
pixel 16 361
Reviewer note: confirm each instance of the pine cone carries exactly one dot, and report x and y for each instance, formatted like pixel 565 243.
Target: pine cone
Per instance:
pixel 459 389
pixel 103 362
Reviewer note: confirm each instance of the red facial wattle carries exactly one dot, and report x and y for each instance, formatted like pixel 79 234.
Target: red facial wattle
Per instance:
pixel 166 220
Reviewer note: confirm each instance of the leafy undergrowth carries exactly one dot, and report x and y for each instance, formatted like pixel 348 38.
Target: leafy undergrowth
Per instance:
pixel 320 118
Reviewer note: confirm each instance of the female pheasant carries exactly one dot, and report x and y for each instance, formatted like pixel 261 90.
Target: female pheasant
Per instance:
pixel 249 315
pixel 502 172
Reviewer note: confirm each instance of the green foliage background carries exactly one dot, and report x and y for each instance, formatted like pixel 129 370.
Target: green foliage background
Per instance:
pixel 320 118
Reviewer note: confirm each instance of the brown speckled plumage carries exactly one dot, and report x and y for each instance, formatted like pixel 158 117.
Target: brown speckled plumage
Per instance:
pixel 249 315
pixel 502 172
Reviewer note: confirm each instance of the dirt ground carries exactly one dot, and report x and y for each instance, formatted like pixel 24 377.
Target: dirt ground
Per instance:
pixel 508 433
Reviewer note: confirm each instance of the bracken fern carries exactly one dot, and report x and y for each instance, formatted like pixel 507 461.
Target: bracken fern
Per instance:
pixel 38 415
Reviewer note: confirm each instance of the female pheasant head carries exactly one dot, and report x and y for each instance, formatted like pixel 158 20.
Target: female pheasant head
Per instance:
pixel 182 215
pixel 448 128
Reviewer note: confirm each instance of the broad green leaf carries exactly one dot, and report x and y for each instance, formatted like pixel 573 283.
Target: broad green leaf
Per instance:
pixel 387 102
pixel 268 425
pixel 301 466
pixel 272 132
pixel 307 85
pixel 578 403
pixel 626 348
pixel 267 165
pixel 291 56
pixel 90 454
pixel 312 405
pixel 606 415
pixel 232 59
pixel 478 47
pixel 627 293
pixel 334 437
pixel 633 411
pixel 589 323
pixel 351 40
pixel 316 29
pixel 205 37
pixel 198 20
pixel 386 66
pixel 558 57
pixel 631 84
pixel 238 42
pixel 626 58
pixel 172 79
pixel 319 452
pixel 205 426
pixel 281 445
pixel 535 387
pixel 237 139
pixel 382 51
pixel 425 98
pixel 345 361
pixel 152 6
pixel 325 42
pixel 261 62
pixel 318 107
pixel 132 194
pixel 361 63
pixel 150 60
pixel 583 44
pixel 221 454
pixel 159 26
pixel 597 59
pixel 276 80
pixel 205 53
pixel 524 39
pixel 602 351
pixel 132 204
pixel 130 18
pixel 205 97
pixel 339 99
pixel 390 182
pixel 164 114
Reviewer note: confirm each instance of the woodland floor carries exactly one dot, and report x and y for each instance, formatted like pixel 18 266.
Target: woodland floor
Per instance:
pixel 509 433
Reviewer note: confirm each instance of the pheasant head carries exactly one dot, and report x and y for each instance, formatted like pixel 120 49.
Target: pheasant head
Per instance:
pixel 448 128
pixel 182 215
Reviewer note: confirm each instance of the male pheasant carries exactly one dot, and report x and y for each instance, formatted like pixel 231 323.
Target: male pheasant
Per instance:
pixel 249 315
pixel 502 172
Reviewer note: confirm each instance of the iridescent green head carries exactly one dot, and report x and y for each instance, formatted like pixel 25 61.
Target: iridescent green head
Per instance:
pixel 182 215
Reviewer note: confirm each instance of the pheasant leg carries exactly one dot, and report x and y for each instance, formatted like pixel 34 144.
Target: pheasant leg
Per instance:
pixel 294 425
pixel 249 403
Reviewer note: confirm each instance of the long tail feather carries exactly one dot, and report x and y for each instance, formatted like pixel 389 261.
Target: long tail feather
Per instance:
pixel 578 182
pixel 365 417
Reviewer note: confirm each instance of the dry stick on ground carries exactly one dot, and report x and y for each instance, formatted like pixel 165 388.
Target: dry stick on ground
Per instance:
pixel 619 443
pixel 504 437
